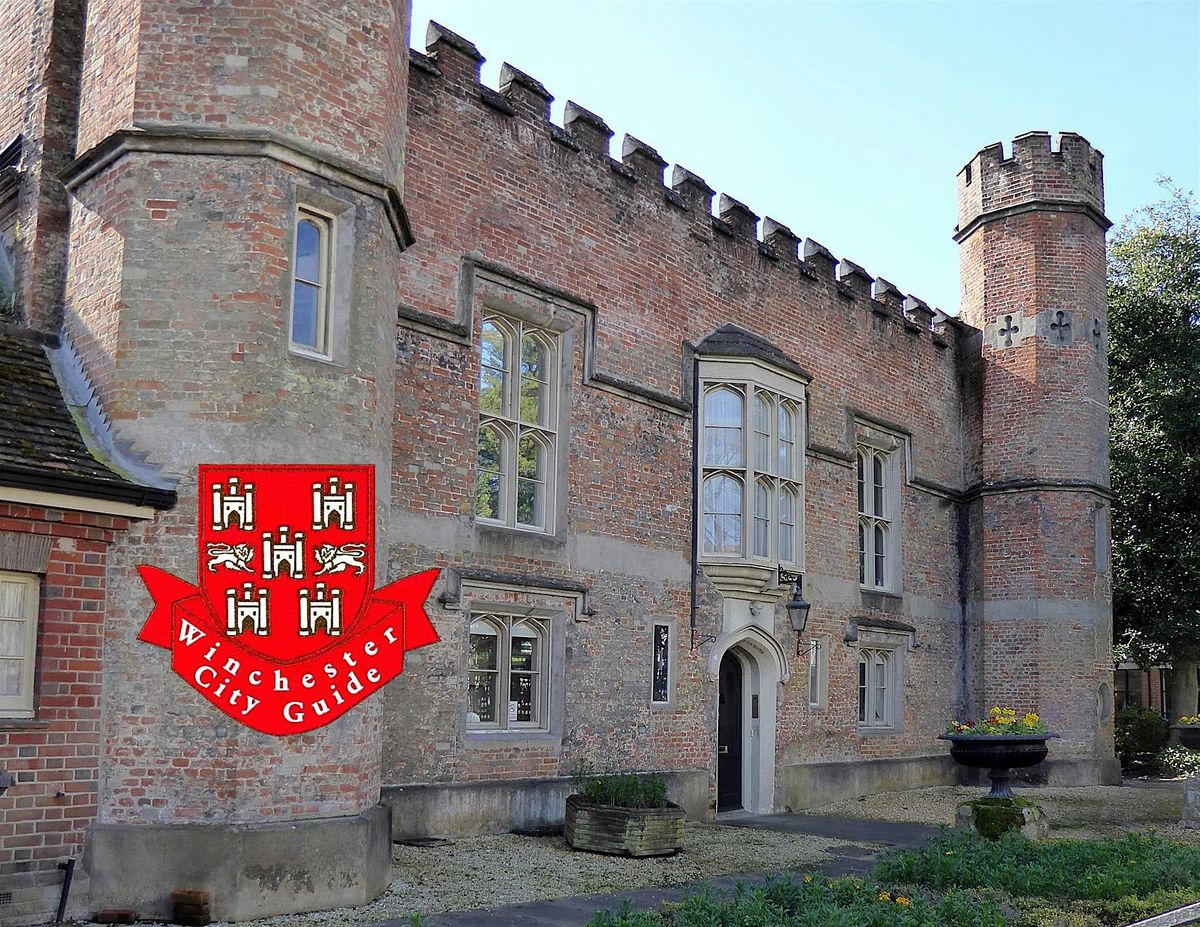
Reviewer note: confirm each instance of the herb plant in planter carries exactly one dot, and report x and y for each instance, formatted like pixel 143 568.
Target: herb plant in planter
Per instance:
pixel 623 815
pixel 1000 743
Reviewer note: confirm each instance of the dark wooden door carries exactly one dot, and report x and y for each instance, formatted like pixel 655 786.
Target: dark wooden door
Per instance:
pixel 729 735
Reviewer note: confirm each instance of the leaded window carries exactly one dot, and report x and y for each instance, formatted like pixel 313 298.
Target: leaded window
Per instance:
pixel 875 522
pixel 877 686
pixel 752 465
pixel 660 669
pixel 516 453
pixel 507 673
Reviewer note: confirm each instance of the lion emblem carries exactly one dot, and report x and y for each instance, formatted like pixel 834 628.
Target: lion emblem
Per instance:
pixel 232 557
pixel 339 559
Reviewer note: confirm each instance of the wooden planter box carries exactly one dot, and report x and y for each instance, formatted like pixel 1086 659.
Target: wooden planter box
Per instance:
pixel 623 831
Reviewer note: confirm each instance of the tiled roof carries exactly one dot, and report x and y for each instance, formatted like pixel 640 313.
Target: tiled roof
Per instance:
pixel 41 447
pixel 734 341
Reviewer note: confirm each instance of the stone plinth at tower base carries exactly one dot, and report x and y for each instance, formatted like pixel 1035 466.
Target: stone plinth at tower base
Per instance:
pixel 250 870
pixel 994 817
pixel 1191 803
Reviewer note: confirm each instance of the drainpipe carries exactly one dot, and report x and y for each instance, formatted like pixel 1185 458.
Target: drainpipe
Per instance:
pixel 695 594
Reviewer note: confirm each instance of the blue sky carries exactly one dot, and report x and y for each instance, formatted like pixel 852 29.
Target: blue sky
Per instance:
pixel 849 121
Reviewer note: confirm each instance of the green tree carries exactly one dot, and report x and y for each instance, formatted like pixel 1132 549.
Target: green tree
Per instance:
pixel 1154 401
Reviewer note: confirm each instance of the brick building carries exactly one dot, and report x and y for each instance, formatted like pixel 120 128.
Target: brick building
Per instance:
pixel 617 422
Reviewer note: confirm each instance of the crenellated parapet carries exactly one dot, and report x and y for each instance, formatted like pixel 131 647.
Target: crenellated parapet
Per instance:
pixel 454 61
pixel 1068 175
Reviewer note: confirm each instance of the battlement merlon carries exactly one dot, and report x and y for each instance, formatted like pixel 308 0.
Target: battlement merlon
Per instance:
pixel 455 57
pixel 1068 177
pixel 524 93
pixel 643 160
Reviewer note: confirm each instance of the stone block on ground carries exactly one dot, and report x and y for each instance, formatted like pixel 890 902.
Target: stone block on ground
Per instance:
pixel 994 817
pixel 1191 803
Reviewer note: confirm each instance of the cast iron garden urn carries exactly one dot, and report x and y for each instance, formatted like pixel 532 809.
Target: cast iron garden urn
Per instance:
pixel 1000 754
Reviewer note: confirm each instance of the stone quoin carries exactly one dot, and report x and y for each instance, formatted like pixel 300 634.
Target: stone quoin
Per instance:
pixel 613 419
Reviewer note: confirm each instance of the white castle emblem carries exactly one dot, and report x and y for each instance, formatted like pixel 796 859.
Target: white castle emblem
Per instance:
pixel 248 613
pixel 283 552
pixel 232 506
pixel 333 500
pixel 320 610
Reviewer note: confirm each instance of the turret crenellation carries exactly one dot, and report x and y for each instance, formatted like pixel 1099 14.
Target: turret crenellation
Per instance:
pixel 643 160
pixel 590 130
pixel 524 93
pixel 738 217
pixel 1067 175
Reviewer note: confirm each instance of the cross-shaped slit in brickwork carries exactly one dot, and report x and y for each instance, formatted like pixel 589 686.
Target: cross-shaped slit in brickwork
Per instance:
pixel 1060 328
pixel 1009 330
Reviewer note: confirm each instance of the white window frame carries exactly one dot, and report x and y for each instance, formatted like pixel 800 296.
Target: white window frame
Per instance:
pixel 878 559
pixel 21 705
pixel 512 430
pixel 749 379
pixel 325 223
pixel 503 624
pixel 878 711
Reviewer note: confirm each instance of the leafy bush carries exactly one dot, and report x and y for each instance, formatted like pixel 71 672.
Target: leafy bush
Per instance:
pixel 1181 761
pixel 816 902
pixel 623 791
pixel 1135 866
pixel 1139 730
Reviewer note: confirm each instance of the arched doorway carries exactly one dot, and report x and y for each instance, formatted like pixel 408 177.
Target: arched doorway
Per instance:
pixel 748 665
pixel 729 734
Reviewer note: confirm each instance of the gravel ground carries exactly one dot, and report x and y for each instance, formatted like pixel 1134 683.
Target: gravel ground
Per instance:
pixel 479 872
pixel 1096 811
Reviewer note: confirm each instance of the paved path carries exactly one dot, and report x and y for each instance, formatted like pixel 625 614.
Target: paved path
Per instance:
pixel 850 859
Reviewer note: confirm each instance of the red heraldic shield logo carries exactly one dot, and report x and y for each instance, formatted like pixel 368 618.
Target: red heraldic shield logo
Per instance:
pixel 286 630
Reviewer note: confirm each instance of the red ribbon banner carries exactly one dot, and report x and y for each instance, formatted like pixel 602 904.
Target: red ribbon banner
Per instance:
pixel 277 697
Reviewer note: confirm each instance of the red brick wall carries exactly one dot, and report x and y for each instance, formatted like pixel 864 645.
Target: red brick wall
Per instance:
pixel 56 756
pixel 496 186
pixel 318 72
pixel 40 46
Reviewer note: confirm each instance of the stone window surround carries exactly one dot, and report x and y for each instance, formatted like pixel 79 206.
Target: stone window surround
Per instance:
pixel 561 323
pixel 21 706
pixel 817 664
pixel 339 214
pixel 672 627
pixel 503 624
pixel 875 439
pixel 897 643
pixel 484 597
pixel 742 373
pixel 547 433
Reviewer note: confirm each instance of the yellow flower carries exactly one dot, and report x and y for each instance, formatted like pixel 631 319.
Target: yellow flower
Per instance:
pixel 808 878
pixel 902 900
pixel 949 852
pixel 885 896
